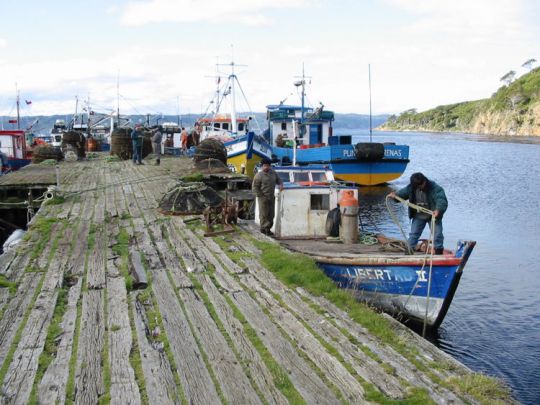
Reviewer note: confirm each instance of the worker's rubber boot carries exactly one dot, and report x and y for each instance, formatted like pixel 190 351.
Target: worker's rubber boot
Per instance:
pixel 157 162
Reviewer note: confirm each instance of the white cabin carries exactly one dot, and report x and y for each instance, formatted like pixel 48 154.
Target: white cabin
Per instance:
pixel 302 207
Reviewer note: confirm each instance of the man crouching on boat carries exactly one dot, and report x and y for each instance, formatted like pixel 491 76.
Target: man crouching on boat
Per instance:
pixel 430 195
pixel 264 184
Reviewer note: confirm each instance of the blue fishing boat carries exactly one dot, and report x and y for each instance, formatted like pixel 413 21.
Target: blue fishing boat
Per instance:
pixel 304 135
pixel 377 270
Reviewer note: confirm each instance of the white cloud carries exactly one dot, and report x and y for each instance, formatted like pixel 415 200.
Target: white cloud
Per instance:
pixel 247 12
pixel 3 43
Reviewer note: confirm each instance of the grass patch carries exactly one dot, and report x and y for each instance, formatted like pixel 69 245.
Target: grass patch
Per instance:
pixel 112 159
pixel 55 200
pixel 488 390
pixel 52 341
pixel 280 376
pixel 297 270
pixel 10 285
pixel 193 177
pixel 121 248
pixel 154 324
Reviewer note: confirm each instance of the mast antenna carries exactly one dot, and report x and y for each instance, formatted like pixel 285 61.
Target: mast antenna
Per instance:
pixel 370 126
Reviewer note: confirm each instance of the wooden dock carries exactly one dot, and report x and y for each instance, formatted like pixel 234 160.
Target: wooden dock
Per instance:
pixel 209 328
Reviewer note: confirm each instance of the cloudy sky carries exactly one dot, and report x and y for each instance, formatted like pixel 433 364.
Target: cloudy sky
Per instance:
pixel 422 53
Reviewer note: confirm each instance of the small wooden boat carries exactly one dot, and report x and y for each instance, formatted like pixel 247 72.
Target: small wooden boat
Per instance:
pixel 419 287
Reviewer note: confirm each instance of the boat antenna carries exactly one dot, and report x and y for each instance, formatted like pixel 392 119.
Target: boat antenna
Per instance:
pixel 118 99
pixel 302 83
pixel 18 107
pixel 178 110
pixel 370 126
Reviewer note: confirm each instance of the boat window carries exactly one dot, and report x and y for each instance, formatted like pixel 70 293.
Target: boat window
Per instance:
pixel 284 126
pixel 241 126
pixel 217 125
pixel 58 138
pixel 320 202
pixel 301 176
pixel 225 125
pixel 284 176
pixel 319 176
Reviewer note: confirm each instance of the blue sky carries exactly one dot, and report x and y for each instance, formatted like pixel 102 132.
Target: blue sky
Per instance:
pixel 423 53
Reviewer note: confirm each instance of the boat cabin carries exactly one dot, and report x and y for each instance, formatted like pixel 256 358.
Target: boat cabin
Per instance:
pixel 221 127
pixel 316 131
pixel 308 195
pixel 13 145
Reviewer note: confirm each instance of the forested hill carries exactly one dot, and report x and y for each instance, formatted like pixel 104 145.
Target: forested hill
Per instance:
pixel 513 110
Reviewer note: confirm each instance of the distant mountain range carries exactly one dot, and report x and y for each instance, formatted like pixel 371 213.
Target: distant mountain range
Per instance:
pixel 44 124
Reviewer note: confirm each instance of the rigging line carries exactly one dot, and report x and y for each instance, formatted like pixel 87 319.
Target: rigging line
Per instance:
pixel 249 107
pixel 138 112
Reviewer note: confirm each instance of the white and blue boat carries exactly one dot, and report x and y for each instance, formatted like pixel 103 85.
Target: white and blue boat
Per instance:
pixel 418 287
pixel 304 135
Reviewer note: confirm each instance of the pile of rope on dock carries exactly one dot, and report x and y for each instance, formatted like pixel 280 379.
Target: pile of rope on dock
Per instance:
pixel 73 145
pixel 46 152
pixel 122 146
pixel 189 198
pixel 211 149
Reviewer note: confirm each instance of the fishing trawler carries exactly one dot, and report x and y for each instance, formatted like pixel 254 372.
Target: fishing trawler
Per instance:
pixel 245 148
pixel 305 135
pixel 418 287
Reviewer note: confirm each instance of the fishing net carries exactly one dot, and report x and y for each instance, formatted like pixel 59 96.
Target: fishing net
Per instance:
pixel 45 152
pixel 74 141
pixel 208 166
pixel 189 198
pixel 210 149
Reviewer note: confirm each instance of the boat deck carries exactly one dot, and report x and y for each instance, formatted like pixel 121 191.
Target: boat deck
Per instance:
pixel 208 329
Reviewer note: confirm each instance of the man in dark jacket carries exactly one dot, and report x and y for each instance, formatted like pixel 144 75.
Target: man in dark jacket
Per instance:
pixel 428 194
pixel 264 184
pixel 137 142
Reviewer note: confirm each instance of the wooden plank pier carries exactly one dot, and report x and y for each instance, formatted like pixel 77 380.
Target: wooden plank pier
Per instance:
pixel 214 325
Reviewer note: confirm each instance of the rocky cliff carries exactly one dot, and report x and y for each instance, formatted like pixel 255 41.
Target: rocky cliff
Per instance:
pixel 513 110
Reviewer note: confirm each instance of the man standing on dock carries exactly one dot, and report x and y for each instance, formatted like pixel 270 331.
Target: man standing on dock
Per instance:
pixel 137 141
pixel 428 194
pixel 264 184
pixel 156 142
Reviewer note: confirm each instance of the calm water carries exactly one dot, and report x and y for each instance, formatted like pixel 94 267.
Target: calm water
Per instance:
pixel 493 188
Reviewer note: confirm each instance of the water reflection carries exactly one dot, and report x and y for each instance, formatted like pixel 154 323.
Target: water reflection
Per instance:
pixel 493 192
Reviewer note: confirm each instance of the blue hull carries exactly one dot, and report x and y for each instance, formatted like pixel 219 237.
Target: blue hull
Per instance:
pixel 16 164
pixel 346 166
pixel 401 288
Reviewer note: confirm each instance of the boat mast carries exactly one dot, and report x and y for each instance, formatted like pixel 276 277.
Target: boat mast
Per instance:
pixel 18 107
pixel 232 78
pixel 118 100
pixel 370 126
